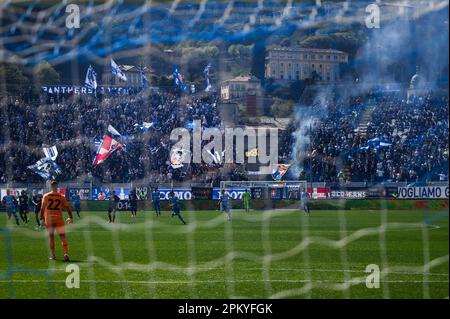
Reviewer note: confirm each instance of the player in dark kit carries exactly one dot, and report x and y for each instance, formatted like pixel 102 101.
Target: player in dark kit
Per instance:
pixel 36 200
pixel 133 204
pixel 156 201
pixel 23 206
pixel 113 201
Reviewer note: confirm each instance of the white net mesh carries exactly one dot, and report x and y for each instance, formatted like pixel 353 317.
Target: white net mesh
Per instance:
pixel 272 252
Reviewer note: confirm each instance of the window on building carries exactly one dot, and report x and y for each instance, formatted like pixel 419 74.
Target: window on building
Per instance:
pixel 335 57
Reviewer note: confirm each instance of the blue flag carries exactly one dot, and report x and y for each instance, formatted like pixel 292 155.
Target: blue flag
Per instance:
pixel 207 77
pixel 46 168
pixel 376 143
pixel 178 78
pixel 115 70
pixel 91 78
pixel 144 79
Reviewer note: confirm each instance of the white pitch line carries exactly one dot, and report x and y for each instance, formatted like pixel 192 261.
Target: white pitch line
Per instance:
pixel 362 272
pixel 146 282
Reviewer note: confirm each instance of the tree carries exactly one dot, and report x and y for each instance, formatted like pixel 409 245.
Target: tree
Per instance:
pixel 12 78
pixel 259 59
pixel 45 74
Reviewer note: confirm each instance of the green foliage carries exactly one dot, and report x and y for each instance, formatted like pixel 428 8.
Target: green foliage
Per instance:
pixel 348 42
pixel 12 78
pixel 46 75
pixel 283 108
pixel 209 51
pixel 240 50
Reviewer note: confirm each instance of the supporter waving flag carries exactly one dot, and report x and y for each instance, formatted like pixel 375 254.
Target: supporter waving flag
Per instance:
pixel 144 79
pixel 178 78
pixel 207 77
pixel 91 78
pixel 46 168
pixel 115 70
pixel 279 171
pixel 108 145
pixel 106 148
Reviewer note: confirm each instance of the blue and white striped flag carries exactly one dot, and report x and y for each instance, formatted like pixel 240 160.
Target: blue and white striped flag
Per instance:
pixel 144 79
pixel 51 152
pixel 91 78
pixel 207 77
pixel 115 70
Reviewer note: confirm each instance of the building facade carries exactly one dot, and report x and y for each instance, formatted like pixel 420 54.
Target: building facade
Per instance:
pixel 132 73
pixel 294 63
pixel 239 87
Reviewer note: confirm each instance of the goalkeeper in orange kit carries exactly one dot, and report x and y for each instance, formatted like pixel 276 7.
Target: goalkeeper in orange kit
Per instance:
pixel 52 217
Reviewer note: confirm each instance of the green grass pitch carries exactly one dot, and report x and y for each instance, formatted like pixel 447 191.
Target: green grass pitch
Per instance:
pixel 260 254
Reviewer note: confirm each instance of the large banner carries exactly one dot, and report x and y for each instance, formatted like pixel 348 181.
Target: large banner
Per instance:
pixel 102 193
pixel 142 192
pixel 202 193
pixel 423 192
pixel 84 192
pixel 81 90
pixel 181 193
pixel 348 194
pixel 293 192
pixel 235 193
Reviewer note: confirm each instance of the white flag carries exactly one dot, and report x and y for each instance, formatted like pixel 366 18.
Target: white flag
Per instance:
pixel 50 152
pixel 115 70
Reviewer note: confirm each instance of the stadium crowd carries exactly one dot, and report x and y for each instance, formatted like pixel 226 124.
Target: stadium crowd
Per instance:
pixel 415 134
pixel 74 125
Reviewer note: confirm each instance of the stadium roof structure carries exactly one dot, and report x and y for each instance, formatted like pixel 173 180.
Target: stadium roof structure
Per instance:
pixel 243 78
pixel 301 49
pixel 133 68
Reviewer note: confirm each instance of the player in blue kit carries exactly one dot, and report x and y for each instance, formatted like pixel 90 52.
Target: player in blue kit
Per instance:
pixel 175 205
pixel 156 201
pixel 76 203
pixel 304 197
pixel 11 205
pixel 225 201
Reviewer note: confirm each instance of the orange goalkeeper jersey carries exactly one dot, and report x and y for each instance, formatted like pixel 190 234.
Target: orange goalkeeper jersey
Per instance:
pixel 52 204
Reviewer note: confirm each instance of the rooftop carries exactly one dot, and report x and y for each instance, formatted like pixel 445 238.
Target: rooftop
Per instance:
pixel 244 78
pixel 299 49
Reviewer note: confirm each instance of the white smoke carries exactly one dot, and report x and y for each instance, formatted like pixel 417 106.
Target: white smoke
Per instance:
pixel 306 118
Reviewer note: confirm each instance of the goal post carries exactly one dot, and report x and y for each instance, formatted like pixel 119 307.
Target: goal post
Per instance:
pixel 264 194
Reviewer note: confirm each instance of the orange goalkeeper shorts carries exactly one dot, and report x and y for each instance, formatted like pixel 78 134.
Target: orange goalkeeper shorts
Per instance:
pixel 56 224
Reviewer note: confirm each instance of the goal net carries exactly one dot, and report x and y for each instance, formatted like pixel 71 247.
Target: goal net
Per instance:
pixel 268 193
pixel 365 247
